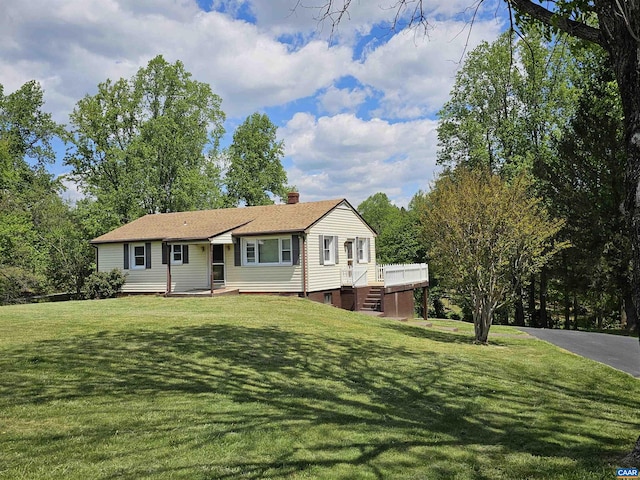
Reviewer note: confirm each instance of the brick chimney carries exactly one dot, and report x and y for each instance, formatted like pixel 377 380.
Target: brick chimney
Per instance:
pixel 293 197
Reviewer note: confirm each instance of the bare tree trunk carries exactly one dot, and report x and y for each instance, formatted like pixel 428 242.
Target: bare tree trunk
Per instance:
pixel 630 312
pixel 519 311
pixel 544 320
pixel 483 317
pixel 565 293
pixel 519 306
pixel 532 302
pixel 567 308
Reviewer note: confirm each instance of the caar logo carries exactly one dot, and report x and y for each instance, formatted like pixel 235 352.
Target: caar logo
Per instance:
pixel 627 473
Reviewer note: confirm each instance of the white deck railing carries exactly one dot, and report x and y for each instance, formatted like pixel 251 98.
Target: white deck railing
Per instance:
pixel 403 274
pixel 354 276
pixel 389 275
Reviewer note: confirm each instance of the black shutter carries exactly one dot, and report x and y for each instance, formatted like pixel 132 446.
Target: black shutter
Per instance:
pixel 357 253
pixel 165 253
pixel 295 249
pixel 237 257
pixel 147 255
pixel 336 248
pixel 321 243
pixel 185 254
pixel 126 256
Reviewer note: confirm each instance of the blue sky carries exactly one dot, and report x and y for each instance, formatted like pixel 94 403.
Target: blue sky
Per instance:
pixel 356 109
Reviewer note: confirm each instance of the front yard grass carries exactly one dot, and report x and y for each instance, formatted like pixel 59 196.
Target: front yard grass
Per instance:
pixel 258 387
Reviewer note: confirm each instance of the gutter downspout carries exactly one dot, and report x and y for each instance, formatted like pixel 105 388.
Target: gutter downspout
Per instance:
pixel 303 237
pixel 168 250
pixel 211 265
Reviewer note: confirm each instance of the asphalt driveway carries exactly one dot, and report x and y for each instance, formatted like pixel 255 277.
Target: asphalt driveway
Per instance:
pixel 616 351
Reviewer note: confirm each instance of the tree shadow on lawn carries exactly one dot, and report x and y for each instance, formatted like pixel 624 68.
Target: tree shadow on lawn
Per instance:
pixel 436 335
pixel 407 405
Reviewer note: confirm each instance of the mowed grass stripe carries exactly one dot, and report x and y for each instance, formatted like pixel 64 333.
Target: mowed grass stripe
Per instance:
pixel 274 387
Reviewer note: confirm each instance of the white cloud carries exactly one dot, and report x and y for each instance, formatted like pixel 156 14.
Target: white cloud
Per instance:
pixel 71 46
pixel 293 17
pixel 415 73
pixel 344 156
pixel 336 100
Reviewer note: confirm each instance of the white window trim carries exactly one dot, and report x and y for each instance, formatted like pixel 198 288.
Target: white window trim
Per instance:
pixel 331 249
pixel 132 256
pixel 363 247
pixel 173 260
pixel 254 241
pixel 281 249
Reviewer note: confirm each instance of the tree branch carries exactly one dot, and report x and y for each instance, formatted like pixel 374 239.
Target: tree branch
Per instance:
pixel 571 27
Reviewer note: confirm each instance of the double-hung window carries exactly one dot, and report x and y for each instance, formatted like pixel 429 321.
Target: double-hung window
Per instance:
pixel 285 250
pixel 363 250
pixel 176 254
pixel 328 250
pixel 138 257
pixel 267 251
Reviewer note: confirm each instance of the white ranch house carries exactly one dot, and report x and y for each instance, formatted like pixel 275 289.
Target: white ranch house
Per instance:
pixel 323 250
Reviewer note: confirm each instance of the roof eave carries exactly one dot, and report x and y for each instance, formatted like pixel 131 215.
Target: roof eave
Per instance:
pixel 268 232
pixel 128 240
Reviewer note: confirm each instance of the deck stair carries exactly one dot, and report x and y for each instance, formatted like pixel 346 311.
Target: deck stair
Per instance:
pixel 373 301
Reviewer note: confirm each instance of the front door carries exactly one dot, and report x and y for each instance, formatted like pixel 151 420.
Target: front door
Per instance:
pixel 348 249
pixel 217 266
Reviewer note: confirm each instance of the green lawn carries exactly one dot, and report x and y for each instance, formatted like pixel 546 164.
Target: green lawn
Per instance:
pixel 269 387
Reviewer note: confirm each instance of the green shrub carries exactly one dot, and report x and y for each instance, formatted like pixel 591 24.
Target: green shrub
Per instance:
pixel 104 284
pixel 17 284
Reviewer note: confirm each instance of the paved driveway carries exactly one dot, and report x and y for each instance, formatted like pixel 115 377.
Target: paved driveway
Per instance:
pixel 619 352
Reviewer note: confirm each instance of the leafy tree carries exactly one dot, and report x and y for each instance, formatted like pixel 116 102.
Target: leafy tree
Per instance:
pixel 70 256
pixel 148 144
pixel 478 125
pixel 377 210
pixel 255 169
pixel 398 232
pixel 27 192
pixel 584 184
pixel 484 232
pixel 507 105
pixel 25 130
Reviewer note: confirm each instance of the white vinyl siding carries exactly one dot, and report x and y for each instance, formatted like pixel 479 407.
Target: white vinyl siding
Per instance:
pixel 152 280
pixel 193 275
pixel 344 223
pixel 262 278
pixel 223 239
